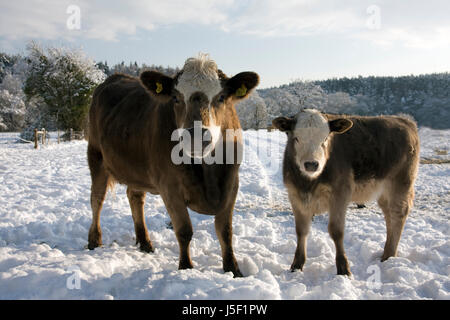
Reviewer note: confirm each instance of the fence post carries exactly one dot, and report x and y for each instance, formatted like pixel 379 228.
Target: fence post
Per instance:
pixel 58 136
pixel 43 136
pixel 35 138
pixel 71 134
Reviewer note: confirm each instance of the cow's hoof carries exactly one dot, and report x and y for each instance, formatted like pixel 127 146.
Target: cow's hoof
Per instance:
pixel 385 257
pixel 94 238
pixel 232 266
pixel 293 269
pixel 146 247
pixel 237 274
pixel 297 266
pixel 93 245
pixel 342 266
pixel 185 265
pixel 344 272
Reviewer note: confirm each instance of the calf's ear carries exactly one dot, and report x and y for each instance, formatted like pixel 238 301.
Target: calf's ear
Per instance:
pixel 340 125
pixel 283 123
pixel 158 84
pixel 240 86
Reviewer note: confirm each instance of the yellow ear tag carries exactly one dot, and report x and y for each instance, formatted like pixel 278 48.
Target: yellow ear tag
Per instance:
pixel 159 87
pixel 241 91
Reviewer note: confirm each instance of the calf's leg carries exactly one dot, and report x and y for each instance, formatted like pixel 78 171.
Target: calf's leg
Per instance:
pixel 302 226
pixel 336 226
pixel 136 199
pixel 396 207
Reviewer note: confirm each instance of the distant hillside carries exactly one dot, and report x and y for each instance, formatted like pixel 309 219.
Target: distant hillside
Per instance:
pixel 425 97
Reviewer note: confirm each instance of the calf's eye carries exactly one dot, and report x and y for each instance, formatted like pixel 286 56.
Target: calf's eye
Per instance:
pixel 296 140
pixel 221 98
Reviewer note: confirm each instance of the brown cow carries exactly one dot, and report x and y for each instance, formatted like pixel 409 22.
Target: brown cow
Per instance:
pixel 332 160
pixel 131 141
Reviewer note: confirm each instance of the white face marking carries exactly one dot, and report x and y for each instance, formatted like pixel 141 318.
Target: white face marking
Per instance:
pixel 311 131
pixel 199 74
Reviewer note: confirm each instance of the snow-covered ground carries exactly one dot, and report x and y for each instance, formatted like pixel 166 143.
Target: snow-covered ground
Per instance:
pixel 45 216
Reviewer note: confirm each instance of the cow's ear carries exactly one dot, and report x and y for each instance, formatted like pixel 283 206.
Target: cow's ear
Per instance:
pixel 242 84
pixel 283 123
pixel 340 125
pixel 157 83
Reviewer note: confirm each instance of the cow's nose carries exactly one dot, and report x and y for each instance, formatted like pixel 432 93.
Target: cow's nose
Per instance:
pixel 195 134
pixel 311 166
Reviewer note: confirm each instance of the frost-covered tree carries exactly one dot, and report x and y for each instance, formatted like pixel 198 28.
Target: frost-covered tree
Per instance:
pixel 13 104
pixel 63 79
pixel 252 112
pixel 289 99
pixel 134 69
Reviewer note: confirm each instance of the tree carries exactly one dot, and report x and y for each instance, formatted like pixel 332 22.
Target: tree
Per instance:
pixel 64 80
pixel 12 105
pixel 252 112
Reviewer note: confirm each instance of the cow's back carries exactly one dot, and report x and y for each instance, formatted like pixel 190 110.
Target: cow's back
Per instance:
pixel 122 124
pixel 375 146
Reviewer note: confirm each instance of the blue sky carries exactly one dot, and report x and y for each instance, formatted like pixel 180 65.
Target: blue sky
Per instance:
pixel 281 40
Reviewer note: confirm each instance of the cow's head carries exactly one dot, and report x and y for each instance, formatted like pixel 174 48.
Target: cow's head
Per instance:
pixel 308 138
pixel 202 96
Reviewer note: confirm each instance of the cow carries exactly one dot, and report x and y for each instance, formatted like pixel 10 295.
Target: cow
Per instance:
pixel 333 160
pixel 131 141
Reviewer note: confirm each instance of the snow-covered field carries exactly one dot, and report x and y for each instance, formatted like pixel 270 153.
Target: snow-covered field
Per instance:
pixel 45 216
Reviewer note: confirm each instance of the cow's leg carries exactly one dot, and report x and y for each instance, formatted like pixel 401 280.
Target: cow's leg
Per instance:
pixel 302 226
pixel 182 226
pixel 398 208
pixel 99 187
pixel 336 226
pixel 137 201
pixel 224 231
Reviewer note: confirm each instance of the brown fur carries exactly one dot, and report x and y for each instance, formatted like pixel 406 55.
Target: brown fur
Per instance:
pixel 376 159
pixel 130 127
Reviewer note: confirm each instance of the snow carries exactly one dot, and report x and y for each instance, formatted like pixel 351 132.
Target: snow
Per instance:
pixel 45 216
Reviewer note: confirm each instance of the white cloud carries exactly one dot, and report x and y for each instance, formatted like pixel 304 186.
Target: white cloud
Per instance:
pixel 412 24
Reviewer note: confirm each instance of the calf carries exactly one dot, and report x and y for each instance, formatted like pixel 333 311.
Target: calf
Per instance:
pixel 331 161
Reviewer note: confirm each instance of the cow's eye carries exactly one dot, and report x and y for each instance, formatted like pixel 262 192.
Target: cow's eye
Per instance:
pixel 175 99
pixel 296 139
pixel 221 98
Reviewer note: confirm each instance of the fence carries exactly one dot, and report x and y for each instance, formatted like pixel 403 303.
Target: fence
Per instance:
pixel 41 136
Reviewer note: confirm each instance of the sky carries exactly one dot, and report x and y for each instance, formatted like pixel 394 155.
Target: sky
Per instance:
pixel 282 41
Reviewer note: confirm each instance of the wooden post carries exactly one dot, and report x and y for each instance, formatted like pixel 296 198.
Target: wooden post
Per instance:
pixel 43 136
pixel 35 138
pixel 58 136
pixel 71 134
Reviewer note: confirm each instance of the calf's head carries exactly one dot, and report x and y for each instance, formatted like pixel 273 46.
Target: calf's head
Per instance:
pixel 309 134
pixel 201 95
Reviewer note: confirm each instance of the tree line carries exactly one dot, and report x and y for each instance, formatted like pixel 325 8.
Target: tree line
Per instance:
pixel 52 88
